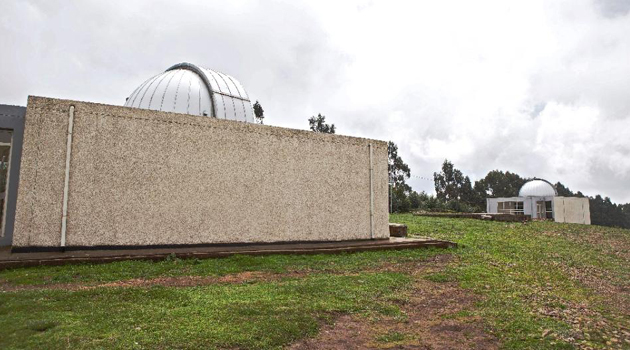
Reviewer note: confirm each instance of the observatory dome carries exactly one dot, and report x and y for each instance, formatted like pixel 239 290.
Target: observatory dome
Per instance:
pixel 190 89
pixel 537 188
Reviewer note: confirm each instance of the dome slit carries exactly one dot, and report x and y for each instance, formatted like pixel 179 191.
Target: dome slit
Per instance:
pixel 229 92
pixel 232 81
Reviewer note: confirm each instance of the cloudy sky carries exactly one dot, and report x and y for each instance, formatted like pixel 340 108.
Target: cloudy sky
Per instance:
pixel 537 87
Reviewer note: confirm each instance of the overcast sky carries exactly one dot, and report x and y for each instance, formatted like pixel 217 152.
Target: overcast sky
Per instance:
pixel 540 88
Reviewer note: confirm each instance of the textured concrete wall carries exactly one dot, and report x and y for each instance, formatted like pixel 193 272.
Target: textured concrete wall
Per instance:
pixel 140 177
pixel 572 210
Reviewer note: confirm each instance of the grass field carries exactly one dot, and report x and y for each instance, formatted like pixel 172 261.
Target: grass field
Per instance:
pixel 516 286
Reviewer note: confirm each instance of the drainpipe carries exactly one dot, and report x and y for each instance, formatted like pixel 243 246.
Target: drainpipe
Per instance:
pixel 371 194
pixel 64 216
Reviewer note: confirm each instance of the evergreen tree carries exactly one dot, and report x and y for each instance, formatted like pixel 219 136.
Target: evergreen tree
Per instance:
pixel 318 124
pixel 259 112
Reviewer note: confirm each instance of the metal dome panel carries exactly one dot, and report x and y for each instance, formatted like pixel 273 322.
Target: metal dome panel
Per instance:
pixel 190 89
pixel 537 188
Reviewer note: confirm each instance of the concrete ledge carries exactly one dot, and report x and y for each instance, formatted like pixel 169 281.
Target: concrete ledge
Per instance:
pixel 13 260
pixel 480 216
pixel 47 249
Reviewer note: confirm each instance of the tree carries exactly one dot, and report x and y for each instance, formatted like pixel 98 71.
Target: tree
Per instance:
pixel 451 184
pixel 259 112
pixel 481 193
pixel 318 124
pixel 398 174
pixel 398 170
pixel 456 190
pixel 400 200
pixel 563 190
pixel 499 184
pixel 416 199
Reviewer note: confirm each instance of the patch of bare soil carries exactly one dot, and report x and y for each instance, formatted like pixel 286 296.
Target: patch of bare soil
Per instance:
pixel 192 281
pixel 434 318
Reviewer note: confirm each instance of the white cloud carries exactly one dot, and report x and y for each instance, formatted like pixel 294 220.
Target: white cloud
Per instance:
pixel 535 87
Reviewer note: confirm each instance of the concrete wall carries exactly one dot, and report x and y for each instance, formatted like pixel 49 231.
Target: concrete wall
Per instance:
pixel 140 177
pixel 572 210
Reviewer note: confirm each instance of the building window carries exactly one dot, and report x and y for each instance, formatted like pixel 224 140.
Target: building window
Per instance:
pixel 512 207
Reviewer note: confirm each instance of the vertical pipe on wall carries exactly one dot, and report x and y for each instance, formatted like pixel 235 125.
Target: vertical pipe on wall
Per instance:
pixel 371 194
pixel 64 217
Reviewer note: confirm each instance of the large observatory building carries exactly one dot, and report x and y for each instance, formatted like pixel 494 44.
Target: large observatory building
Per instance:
pixel 182 163
pixel 539 199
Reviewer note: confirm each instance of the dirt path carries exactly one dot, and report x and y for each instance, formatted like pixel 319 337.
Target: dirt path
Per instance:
pixel 435 317
pixel 192 281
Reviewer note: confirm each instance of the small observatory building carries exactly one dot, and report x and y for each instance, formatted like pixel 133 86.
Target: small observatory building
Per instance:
pixel 539 199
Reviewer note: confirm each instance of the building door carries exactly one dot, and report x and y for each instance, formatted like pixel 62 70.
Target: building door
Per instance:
pixel 5 162
pixel 541 210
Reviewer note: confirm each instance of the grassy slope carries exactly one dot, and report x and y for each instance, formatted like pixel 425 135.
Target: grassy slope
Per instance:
pixel 540 287
pixel 544 284
pixel 262 314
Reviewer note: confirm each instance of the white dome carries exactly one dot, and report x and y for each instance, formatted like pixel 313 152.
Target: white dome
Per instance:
pixel 537 188
pixel 187 88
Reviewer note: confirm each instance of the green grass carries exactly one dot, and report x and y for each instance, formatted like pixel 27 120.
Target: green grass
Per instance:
pixel 520 269
pixel 532 282
pixel 257 315
pixel 391 337
pixel 86 273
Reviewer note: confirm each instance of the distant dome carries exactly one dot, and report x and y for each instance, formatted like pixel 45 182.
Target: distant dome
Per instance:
pixel 537 188
pixel 190 89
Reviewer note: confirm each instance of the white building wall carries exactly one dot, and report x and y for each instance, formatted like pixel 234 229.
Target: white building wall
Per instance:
pixel 572 210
